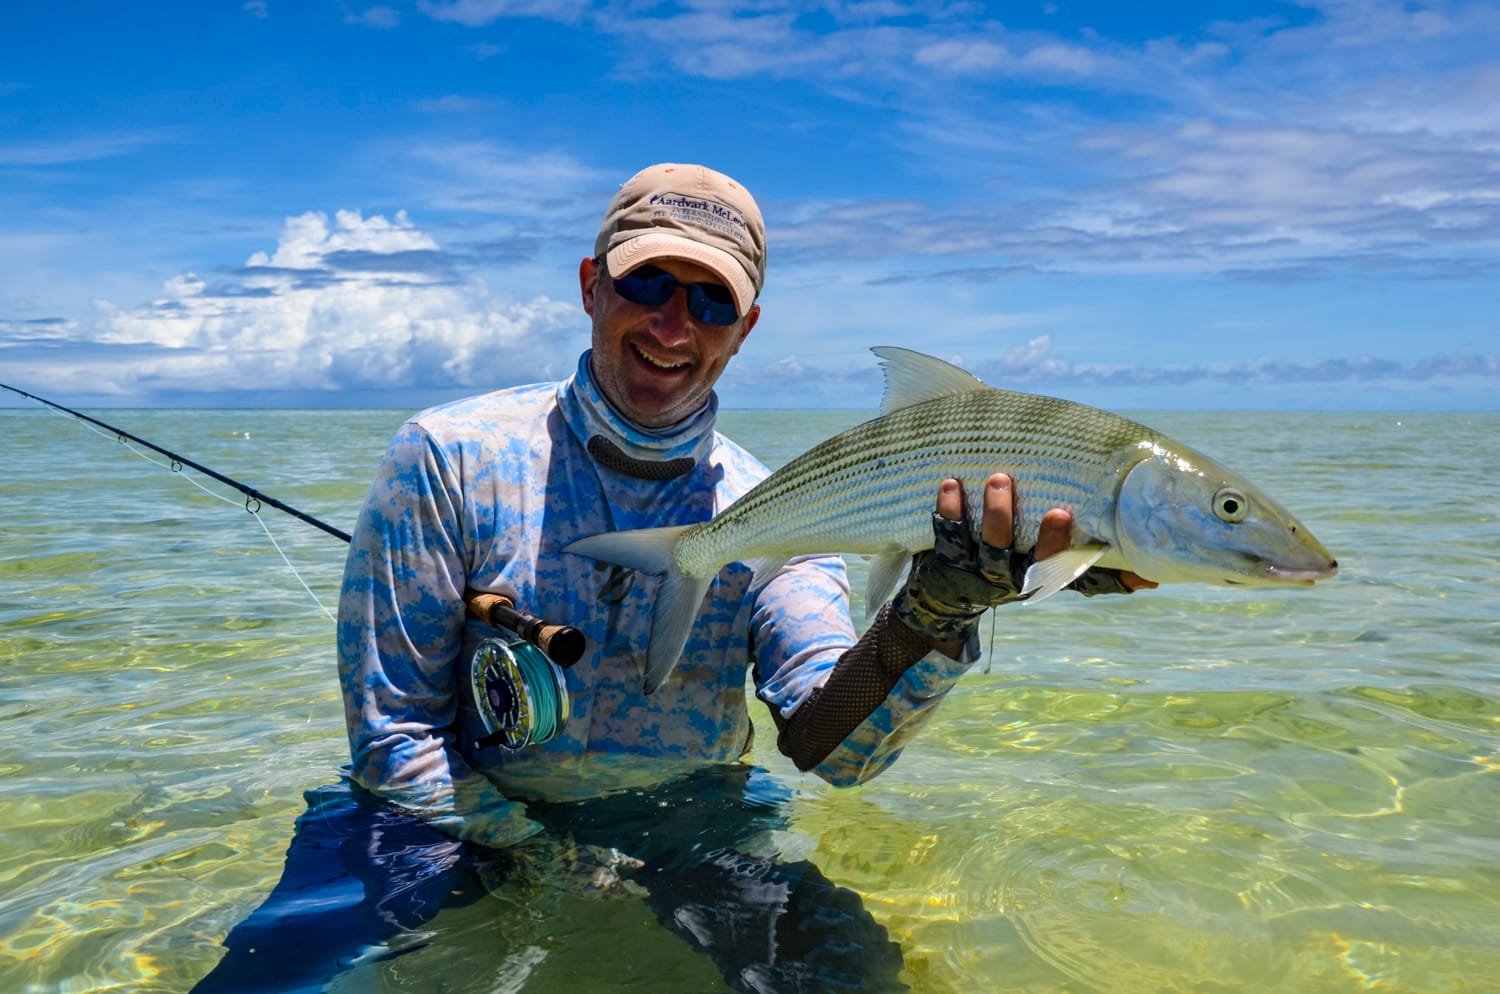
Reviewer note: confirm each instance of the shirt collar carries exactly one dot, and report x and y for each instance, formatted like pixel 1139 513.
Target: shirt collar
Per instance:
pixel 591 416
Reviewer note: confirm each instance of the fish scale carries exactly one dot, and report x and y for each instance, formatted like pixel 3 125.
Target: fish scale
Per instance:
pixel 1139 500
pixel 871 489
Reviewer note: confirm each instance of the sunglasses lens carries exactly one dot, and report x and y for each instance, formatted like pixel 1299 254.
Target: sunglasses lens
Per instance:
pixel 647 286
pixel 711 303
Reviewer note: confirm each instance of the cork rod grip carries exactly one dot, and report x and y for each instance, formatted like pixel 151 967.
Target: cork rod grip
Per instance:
pixel 563 644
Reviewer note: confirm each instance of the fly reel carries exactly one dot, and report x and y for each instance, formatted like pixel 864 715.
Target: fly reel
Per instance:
pixel 520 693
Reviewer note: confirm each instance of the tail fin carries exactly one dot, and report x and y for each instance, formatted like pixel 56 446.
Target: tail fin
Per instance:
pixel 650 551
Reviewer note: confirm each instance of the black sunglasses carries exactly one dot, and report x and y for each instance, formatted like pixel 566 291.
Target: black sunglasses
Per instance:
pixel 649 286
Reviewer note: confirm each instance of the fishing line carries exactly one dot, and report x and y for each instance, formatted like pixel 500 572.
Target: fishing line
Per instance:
pixel 520 694
pixel 517 679
pixel 175 466
pixel 252 495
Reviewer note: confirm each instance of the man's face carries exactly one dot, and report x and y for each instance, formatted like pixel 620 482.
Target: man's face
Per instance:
pixel 656 364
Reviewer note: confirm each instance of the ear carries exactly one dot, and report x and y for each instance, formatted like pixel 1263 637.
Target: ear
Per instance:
pixel 750 318
pixel 588 283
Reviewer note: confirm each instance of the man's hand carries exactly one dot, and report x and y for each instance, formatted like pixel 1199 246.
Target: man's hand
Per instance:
pixel 996 527
pixel 951 586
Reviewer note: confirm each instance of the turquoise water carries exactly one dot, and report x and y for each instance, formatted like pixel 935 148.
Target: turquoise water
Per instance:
pixel 1190 789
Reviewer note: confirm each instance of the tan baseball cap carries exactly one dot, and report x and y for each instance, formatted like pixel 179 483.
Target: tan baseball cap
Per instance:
pixel 674 211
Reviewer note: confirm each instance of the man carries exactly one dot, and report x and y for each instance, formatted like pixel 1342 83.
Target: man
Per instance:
pixel 483 494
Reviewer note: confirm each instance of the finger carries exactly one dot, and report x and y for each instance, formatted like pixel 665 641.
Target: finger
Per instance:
pixel 997 525
pixel 950 500
pixel 1137 582
pixel 1056 534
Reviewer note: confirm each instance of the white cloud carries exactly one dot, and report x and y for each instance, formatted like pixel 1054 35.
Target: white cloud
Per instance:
pixel 307 239
pixel 453 103
pixel 956 57
pixel 1034 358
pixel 375 17
pixel 1061 60
pixel 1313 190
pixel 498 179
pixel 478 13
pixel 854 382
pixel 1208 197
pixel 346 302
pixel 87 148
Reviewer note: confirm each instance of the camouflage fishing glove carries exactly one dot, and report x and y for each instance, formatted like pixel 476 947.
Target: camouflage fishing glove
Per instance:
pixel 1100 581
pixel 962 577
pixel 947 590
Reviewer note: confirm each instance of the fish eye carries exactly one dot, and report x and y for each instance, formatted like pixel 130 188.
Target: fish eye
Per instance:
pixel 1231 505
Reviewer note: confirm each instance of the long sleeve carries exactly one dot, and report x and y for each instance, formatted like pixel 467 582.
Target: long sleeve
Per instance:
pixel 400 631
pixel 847 719
pixel 855 717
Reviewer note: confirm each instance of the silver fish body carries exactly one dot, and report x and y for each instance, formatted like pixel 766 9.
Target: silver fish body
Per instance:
pixel 871 489
pixel 1140 501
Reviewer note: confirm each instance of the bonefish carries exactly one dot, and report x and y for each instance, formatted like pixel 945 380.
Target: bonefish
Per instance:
pixel 1140 501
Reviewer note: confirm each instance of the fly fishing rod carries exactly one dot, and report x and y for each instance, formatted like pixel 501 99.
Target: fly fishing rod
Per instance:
pixel 253 497
pixel 563 644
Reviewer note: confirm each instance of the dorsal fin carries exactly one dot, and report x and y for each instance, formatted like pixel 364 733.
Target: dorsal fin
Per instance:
pixel 913 378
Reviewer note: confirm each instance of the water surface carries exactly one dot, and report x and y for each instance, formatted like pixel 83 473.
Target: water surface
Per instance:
pixel 1190 789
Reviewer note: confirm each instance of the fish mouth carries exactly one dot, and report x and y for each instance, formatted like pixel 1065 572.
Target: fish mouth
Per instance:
pixel 1300 575
pixel 1265 573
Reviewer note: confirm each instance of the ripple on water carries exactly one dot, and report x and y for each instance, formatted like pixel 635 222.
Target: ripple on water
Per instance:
pixel 1196 790
pixel 1127 899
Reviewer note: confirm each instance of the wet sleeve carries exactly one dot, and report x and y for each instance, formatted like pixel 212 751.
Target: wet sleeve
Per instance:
pixel 400 633
pixel 846 716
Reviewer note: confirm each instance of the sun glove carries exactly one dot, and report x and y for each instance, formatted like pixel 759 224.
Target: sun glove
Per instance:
pixel 962 576
pixel 956 581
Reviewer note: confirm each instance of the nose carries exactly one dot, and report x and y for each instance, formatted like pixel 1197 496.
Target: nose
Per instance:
pixel 671 322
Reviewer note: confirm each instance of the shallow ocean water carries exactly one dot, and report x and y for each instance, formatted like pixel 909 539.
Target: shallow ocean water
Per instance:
pixel 1186 790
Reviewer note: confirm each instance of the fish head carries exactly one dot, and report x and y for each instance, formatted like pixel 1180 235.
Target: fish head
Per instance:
pixel 1181 517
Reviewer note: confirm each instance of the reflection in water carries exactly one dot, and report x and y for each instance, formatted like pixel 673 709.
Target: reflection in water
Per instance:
pixel 1197 790
pixel 364 884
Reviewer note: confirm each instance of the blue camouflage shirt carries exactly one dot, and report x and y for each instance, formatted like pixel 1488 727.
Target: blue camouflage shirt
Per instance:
pixel 483 494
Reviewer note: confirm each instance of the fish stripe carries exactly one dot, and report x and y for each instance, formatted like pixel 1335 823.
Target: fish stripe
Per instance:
pixel 869 490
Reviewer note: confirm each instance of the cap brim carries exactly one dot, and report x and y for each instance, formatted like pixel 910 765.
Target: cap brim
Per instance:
pixel 661 245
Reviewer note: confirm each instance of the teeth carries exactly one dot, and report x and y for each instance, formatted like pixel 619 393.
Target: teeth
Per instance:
pixel 655 361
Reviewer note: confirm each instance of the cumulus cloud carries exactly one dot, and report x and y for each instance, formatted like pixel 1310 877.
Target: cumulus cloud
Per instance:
pixel 26 333
pixel 1036 366
pixel 341 302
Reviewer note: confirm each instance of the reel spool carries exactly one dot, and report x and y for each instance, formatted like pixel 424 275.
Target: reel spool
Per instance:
pixel 520 693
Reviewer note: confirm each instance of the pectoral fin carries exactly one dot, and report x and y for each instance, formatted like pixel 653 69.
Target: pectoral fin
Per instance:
pixel 672 623
pixel 1050 575
pixel 886 571
pixel 764 569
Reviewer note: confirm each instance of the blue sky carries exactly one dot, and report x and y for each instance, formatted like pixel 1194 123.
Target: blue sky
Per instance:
pixel 1230 205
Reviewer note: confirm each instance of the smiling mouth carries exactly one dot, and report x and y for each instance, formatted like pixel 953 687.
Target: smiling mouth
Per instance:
pixel 658 363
